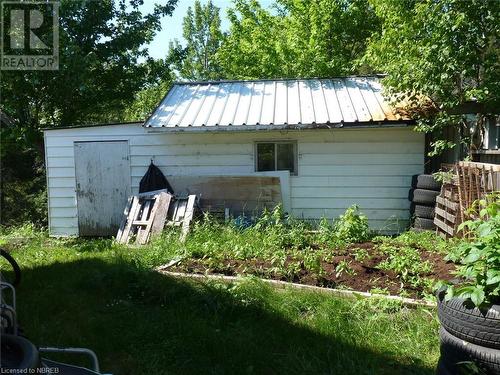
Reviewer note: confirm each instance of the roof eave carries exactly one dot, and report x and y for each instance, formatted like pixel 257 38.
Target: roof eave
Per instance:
pixel 251 128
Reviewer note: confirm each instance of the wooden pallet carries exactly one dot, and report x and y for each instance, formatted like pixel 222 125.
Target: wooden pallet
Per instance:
pixel 445 217
pixel 146 215
pixel 471 181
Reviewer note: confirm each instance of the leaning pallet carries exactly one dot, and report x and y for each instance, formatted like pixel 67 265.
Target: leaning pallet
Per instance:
pixel 144 216
pixel 471 181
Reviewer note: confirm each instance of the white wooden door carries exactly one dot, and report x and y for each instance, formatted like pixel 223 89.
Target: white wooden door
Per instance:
pixel 102 186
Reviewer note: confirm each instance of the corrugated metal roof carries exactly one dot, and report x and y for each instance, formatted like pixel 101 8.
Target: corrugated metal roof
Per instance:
pixel 274 103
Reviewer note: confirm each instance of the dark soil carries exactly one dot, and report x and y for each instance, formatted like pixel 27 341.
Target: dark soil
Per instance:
pixel 364 275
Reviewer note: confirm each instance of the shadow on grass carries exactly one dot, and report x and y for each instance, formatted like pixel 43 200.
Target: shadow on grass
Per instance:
pixel 139 322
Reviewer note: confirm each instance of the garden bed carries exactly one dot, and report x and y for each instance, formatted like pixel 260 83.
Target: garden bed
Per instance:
pixel 364 267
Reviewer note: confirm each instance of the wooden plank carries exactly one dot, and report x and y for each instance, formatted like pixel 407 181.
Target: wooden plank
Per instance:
pixel 140 222
pixel 160 216
pixel 143 221
pixel 126 211
pixel 444 226
pixel 447 203
pixel 445 215
pixel 131 217
pixel 188 216
pixel 181 210
pixel 151 194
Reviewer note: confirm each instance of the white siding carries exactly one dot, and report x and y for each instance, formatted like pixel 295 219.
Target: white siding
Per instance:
pixel 336 168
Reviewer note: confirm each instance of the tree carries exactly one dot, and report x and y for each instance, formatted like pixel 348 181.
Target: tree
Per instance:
pixel 439 56
pixel 201 29
pixel 300 38
pixel 100 70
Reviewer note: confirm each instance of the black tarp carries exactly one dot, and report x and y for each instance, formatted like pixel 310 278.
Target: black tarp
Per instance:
pixel 154 180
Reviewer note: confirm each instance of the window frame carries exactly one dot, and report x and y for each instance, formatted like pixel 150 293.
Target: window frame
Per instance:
pixel 275 143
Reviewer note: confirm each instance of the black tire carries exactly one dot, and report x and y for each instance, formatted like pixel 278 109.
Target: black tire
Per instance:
pixel 469 323
pixel 455 351
pixel 425 181
pixel 442 369
pixel 427 212
pixel 18 353
pixel 423 223
pixel 423 197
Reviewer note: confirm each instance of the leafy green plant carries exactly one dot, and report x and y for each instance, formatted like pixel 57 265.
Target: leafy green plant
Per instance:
pixel 352 226
pixel 361 254
pixel 479 258
pixel 342 267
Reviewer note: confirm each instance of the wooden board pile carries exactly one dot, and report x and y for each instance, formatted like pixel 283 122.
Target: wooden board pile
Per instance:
pixel 146 215
pixel 471 181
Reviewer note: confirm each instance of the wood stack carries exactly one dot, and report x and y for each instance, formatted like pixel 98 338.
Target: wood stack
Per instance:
pixel 146 214
pixel 471 181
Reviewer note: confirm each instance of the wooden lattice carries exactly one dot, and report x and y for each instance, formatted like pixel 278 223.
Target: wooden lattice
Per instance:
pixel 471 181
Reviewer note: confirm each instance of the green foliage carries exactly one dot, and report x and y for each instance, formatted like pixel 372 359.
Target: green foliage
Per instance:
pixel 479 258
pixel 201 30
pixel 301 38
pixel 102 65
pixel 342 267
pixel 438 55
pixel 352 226
pixel 147 100
pixel 187 326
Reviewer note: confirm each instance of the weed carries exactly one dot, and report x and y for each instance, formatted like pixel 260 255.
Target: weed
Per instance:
pixel 342 267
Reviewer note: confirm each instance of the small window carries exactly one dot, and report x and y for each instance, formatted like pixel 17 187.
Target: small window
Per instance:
pixel 276 156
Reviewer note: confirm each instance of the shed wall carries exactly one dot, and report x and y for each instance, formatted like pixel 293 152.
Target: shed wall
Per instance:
pixel 336 168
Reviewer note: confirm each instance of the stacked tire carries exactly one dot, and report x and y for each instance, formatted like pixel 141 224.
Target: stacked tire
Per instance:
pixel 422 196
pixel 470 338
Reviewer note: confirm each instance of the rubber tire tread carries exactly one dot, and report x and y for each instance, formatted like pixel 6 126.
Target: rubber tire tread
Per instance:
pixel 423 197
pixel 426 212
pixel 423 223
pixel 425 181
pixel 454 350
pixel 470 324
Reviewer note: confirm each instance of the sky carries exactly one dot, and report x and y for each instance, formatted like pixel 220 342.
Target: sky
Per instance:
pixel 172 26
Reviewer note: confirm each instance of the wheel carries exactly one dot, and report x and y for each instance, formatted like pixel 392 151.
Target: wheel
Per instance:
pixel 469 323
pixel 15 267
pixel 457 353
pixel 425 181
pixel 423 197
pixel 423 223
pixel 419 210
pixel 18 353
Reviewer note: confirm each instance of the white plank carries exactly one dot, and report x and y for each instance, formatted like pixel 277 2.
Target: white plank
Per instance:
pixel 61 172
pixel 361 159
pixel 194 160
pixel 196 170
pixel 356 170
pixel 61 182
pixel 188 150
pixel 360 148
pixel 55 162
pixel 364 203
pixel 62 192
pixel 63 212
pixel 352 192
pixel 351 181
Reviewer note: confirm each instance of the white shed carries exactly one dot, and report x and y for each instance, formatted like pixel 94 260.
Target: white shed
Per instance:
pixel 332 142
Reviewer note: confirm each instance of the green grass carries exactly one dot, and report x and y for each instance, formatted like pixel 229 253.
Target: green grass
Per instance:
pixel 96 294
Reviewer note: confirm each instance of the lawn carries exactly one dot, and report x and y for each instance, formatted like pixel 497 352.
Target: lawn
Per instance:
pixel 96 294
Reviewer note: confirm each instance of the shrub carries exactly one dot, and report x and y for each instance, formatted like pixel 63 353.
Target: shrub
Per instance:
pixel 352 226
pixel 479 258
